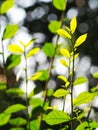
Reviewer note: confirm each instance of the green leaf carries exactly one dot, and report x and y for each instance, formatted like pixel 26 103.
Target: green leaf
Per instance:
pixel 18 121
pixel 80 80
pixel 54 26
pixel 60 93
pixel 6 5
pixel 50 92
pixel 95 75
pixel 44 76
pixel 63 62
pixel 35 76
pixel 65 52
pixel 4 118
pixel 34 124
pixel 15 108
pixel 87 125
pixel 15 49
pixel 18 128
pixel 49 49
pixel 63 33
pixel 32 52
pixel 36 102
pixel 15 91
pixel 12 61
pixel 59 4
pixel 10 31
pixel 56 117
pixel 80 40
pixel 3 86
pixel 84 97
pixel 63 78
pixel 73 25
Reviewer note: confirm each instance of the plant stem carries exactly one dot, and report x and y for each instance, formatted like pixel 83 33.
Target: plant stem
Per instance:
pixel 26 82
pixel 4 65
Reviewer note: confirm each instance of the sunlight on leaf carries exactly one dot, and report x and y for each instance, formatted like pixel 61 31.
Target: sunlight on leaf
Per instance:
pixel 56 117
pixel 80 80
pixel 18 128
pixel 35 76
pixel 15 49
pixel 10 31
pixel 15 92
pixel 33 52
pixel 80 40
pixel 73 25
pixel 63 78
pixel 60 93
pixel 63 33
pixel 95 75
pixel 59 4
pixel 65 52
pixel 4 118
pixel 6 5
pixel 44 76
pixel 63 62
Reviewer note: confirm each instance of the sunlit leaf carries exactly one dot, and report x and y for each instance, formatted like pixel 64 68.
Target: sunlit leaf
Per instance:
pixel 35 76
pixel 18 121
pixel 36 102
pixel 60 93
pixel 80 40
pixel 15 49
pixel 63 62
pixel 33 52
pixel 18 128
pixel 84 97
pixel 12 61
pixel 65 52
pixel 63 33
pixel 44 75
pixel 6 5
pixel 59 4
pixel 15 108
pixel 4 118
pixel 3 86
pixel 63 78
pixel 15 91
pixel 49 49
pixel 54 26
pixel 73 25
pixel 34 124
pixel 80 80
pixel 95 75
pixel 88 125
pixel 56 117
pixel 10 31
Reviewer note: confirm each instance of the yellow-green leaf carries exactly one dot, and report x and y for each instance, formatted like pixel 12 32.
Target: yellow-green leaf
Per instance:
pixel 15 49
pixel 95 75
pixel 63 33
pixel 80 40
pixel 65 52
pixel 63 62
pixel 80 80
pixel 35 76
pixel 63 78
pixel 33 52
pixel 60 93
pixel 73 25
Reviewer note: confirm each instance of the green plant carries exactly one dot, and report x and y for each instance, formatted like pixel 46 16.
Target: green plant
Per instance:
pixel 16 114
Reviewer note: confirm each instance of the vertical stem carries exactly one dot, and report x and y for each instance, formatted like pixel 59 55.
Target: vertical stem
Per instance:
pixel 26 82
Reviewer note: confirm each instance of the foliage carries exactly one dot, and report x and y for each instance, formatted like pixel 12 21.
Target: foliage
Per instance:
pixel 34 113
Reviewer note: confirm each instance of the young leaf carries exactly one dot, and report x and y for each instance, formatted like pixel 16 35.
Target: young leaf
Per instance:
pixel 15 91
pixel 49 49
pixel 18 121
pixel 65 52
pixel 15 49
pixel 59 4
pixel 80 40
pixel 63 33
pixel 84 97
pixel 32 52
pixel 35 76
pixel 44 76
pixel 56 117
pixel 18 128
pixel 30 42
pixel 54 26
pixel 4 118
pixel 90 125
pixel 80 80
pixel 95 75
pixel 73 25
pixel 10 31
pixel 63 62
pixel 60 93
pixel 12 61
pixel 63 78
pixel 6 5
pixel 15 108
